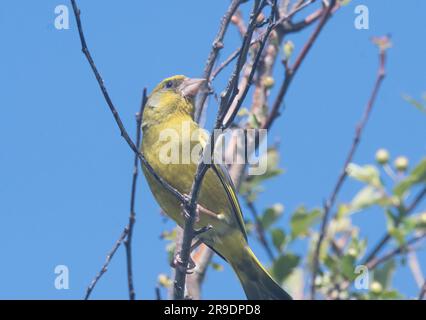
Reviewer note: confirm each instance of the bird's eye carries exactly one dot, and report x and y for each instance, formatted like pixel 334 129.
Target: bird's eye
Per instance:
pixel 169 84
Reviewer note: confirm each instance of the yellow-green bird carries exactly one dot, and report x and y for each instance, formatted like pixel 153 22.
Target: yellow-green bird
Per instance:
pixel 168 125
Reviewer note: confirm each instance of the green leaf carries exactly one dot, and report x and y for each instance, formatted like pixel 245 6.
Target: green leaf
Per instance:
pixel 243 112
pixel 357 247
pixel 344 265
pixel 217 266
pixel 367 197
pixel 347 267
pixel 278 238
pixel 417 176
pixel 284 265
pixel 302 220
pixel 293 281
pixel 169 235
pixel 396 227
pixel 420 221
pixel 391 295
pixel 391 219
pixel 343 210
pixel 384 273
pixel 398 234
pixel 332 263
pixel 367 174
pixel 170 249
pixel 271 215
pixel 409 224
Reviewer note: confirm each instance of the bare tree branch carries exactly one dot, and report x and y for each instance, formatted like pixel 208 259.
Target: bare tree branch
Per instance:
pixel 291 71
pixel 106 264
pixel 132 216
pixel 293 27
pixel 343 174
pixel 114 111
pixel 275 26
pixel 202 258
pixel 216 47
pixel 372 264
pixel 127 233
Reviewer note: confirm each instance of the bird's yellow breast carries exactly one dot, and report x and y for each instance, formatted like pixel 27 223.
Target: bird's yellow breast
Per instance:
pixel 180 175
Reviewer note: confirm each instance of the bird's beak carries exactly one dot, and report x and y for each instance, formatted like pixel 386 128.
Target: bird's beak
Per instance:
pixel 190 87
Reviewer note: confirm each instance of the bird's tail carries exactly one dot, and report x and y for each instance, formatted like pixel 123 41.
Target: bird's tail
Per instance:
pixel 256 281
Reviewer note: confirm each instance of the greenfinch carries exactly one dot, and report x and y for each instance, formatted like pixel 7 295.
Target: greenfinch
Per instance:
pixel 168 125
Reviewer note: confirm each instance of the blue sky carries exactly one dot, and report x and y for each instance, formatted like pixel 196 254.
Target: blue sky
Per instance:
pixel 65 171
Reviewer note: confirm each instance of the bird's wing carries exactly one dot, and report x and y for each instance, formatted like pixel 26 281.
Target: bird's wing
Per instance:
pixel 222 173
pixel 228 185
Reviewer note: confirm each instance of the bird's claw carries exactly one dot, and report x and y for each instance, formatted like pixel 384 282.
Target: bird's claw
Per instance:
pixel 177 263
pixel 185 209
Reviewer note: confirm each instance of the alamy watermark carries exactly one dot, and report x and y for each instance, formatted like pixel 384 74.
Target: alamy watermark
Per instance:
pixel 62 277
pixel 362 280
pixel 362 20
pixel 186 145
pixel 62 19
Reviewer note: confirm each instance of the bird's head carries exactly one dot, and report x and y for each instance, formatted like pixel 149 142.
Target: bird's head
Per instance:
pixel 172 96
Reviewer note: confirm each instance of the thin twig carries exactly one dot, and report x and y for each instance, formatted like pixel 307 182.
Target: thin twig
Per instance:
pixel 132 216
pixel 234 107
pixel 114 111
pixel 307 21
pixel 216 47
pixel 126 235
pixel 386 237
pixel 291 71
pixel 276 25
pixel 238 21
pixel 224 64
pixel 422 293
pixel 372 264
pixel 158 293
pixel 106 264
pixel 343 174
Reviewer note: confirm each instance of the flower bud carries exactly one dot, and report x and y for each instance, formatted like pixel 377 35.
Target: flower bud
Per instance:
pixel 352 252
pixel 401 163
pixel 376 287
pixel 288 49
pixel 268 82
pixel 382 156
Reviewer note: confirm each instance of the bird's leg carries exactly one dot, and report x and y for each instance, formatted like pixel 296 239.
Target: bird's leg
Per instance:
pixel 185 207
pixel 177 261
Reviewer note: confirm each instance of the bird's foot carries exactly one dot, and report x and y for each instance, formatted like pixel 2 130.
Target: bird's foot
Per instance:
pixel 177 263
pixel 186 209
